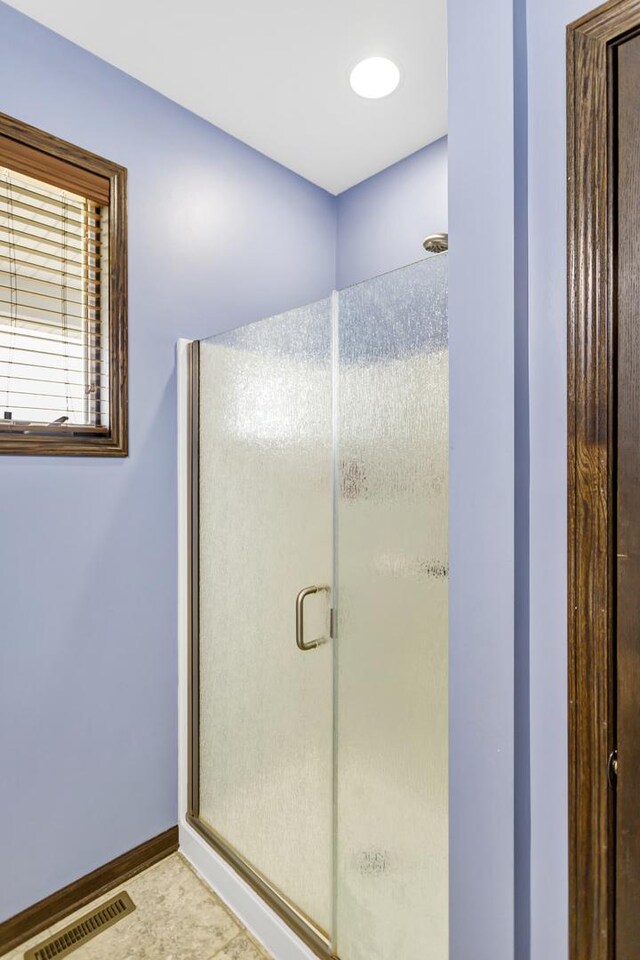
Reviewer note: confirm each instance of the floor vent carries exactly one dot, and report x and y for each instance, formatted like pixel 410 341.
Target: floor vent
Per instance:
pixel 77 934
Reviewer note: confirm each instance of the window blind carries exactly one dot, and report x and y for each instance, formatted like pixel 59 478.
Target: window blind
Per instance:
pixel 54 337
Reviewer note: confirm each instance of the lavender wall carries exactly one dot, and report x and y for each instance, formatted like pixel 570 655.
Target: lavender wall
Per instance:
pixel 383 220
pixel 526 152
pixel 482 189
pixel 546 24
pixel 219 236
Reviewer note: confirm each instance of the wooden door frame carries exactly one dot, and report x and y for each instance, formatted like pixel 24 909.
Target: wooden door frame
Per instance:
pixel 591 131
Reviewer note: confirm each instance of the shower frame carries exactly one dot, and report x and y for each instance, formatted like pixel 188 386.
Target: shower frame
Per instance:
pixel 302 926
pixel 285 929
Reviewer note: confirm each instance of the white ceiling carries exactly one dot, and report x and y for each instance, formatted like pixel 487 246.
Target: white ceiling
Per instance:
pixel 275 73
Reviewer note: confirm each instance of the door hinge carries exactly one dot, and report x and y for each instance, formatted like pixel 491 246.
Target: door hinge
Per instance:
pixel 612 768
pixel 333 623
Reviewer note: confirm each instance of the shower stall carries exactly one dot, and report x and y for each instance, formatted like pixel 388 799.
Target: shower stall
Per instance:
pixel 317 715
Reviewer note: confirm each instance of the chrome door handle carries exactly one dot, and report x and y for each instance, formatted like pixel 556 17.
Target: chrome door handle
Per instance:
pixel 302 596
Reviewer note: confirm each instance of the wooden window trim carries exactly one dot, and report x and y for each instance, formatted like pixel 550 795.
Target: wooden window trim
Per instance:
pixel 591 463
pixel 17 155
pixel 55 161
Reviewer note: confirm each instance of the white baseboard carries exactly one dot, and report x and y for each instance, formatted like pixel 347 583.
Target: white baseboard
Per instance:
pixel 265 925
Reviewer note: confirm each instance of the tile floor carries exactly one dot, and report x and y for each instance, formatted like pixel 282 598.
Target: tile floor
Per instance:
pixel 177 917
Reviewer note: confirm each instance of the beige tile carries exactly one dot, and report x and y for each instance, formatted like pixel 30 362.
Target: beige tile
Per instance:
pixel 88 907
pixel 177 917
pixel 194 873
pixel 187 920
pixel 128 939
pixel 261 950
pixel 246 934
pixel 241 948
pixel 195 932
pixel 168 889
pixel 169 879
pixel 148 878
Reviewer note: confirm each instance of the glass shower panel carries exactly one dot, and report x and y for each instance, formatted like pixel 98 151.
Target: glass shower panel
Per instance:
pixel 266 707
pixel 391 692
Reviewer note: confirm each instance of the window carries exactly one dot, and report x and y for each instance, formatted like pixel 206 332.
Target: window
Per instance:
pixel 63 289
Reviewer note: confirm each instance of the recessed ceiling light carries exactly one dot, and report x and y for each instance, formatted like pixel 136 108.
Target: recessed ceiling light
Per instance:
pixel 375 77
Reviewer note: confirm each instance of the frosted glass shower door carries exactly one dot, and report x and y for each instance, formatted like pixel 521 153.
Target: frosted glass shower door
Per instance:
pixel 322 460
pixel 391 694
pixel 265 532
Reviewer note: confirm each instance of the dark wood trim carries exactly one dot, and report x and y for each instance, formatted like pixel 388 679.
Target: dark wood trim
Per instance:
pixel 591 42
pixel 58 157
pixel 118 317
pixel 65 160
pixel 32 921
pixel 21 156
pixel 627 493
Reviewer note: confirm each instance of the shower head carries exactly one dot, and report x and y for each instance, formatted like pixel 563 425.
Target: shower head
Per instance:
pixel 436 242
